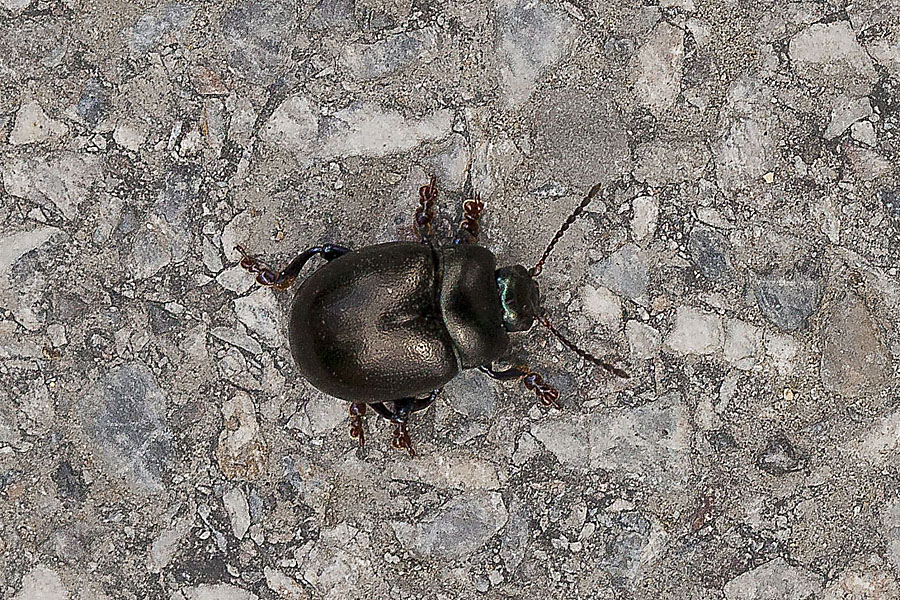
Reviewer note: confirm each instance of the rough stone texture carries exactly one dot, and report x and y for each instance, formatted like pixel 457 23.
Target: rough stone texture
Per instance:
pixel 854 359
pixel 157 441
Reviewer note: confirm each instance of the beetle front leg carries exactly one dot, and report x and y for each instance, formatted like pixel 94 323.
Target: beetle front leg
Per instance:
pixel 284 278
pixel 546 393
pixel 470 225
pixel 425 213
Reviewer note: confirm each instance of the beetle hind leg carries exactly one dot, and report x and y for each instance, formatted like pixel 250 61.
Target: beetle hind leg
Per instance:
pixel 399 416
pixel 283 279
pixel 357 432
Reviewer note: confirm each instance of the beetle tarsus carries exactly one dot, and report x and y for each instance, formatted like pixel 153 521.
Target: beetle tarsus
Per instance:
pixel 425 213
pixel 357 410
pixel 401 439
pixel 546 393
pixel 470 226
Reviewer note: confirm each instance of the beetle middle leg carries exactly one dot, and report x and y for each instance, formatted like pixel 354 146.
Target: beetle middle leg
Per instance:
pixel 284 278
pixel 533 381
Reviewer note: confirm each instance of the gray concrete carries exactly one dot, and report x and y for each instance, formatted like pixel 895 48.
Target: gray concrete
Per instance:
pixel 156 440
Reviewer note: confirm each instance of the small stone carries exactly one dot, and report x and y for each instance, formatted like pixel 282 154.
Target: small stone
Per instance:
pixel 828 54
pixel 787 302
pixel 15 6
pixel 238 511
pixel 847 110
pixel 218 591
pixel 743 343
pixel 783 349
pixel 779 456
pixel 242 451
pixel 237 336
pixel 69 482
pixel 93 104
pixel 864 132
pixel 130 137
pixel 150 253
pixel 646 214
pixel 283 586
pixel 657 66
pixel 854 359
pixel 125 416
pixel 33 125
pixel 710 252
pixel 695 332
pixel 663 161
pixel 42 583
pixel 63 179
pixel 260 313
pixel 361 129
pixel 319 415
pixel 236 279
pixel 774 580
pixel 602 305
pixel 164 547
pixel 531 36
pixel 625 272
pixel 643 340
pixel 769 177
pixel 387 56
pixel 164 23
pixel 456 529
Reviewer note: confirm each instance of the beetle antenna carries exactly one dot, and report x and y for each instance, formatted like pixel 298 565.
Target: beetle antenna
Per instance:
pixel 536 269
pixel 582 353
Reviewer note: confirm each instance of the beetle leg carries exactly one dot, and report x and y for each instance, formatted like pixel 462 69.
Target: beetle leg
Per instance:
pixel 470 225
pixel 423 403
pixel 402 410
pixel 357 410
pixel 284 278
pixel 425 213
pixel 534 382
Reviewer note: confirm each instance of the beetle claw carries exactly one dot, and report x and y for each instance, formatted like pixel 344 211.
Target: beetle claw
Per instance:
pixel 401 439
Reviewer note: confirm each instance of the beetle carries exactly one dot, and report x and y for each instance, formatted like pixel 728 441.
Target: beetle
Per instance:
pixel 391 323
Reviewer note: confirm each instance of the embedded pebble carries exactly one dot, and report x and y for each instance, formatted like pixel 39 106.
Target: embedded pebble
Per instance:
pixel 456 529
pixel 42 583
pixel 830 54
pixel 695 332
pixel 624 272
pixel 657 68
pixel 33 125
pixel 124 415
pixel 854 359
pixel 643 340
pixel 775 579
pixel 531 36
pixel 238 511
pixel 261 314
pixel 787 302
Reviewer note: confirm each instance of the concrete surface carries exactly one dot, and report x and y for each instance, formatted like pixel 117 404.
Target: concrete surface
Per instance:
pixel 156 440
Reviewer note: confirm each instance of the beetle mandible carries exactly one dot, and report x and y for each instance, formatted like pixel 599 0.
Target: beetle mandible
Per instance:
pixel 393 322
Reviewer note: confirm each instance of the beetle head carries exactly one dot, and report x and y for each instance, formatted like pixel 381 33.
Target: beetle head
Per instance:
pixel 519 297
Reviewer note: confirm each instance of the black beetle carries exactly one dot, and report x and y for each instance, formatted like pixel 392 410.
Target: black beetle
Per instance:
pixel 394 322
